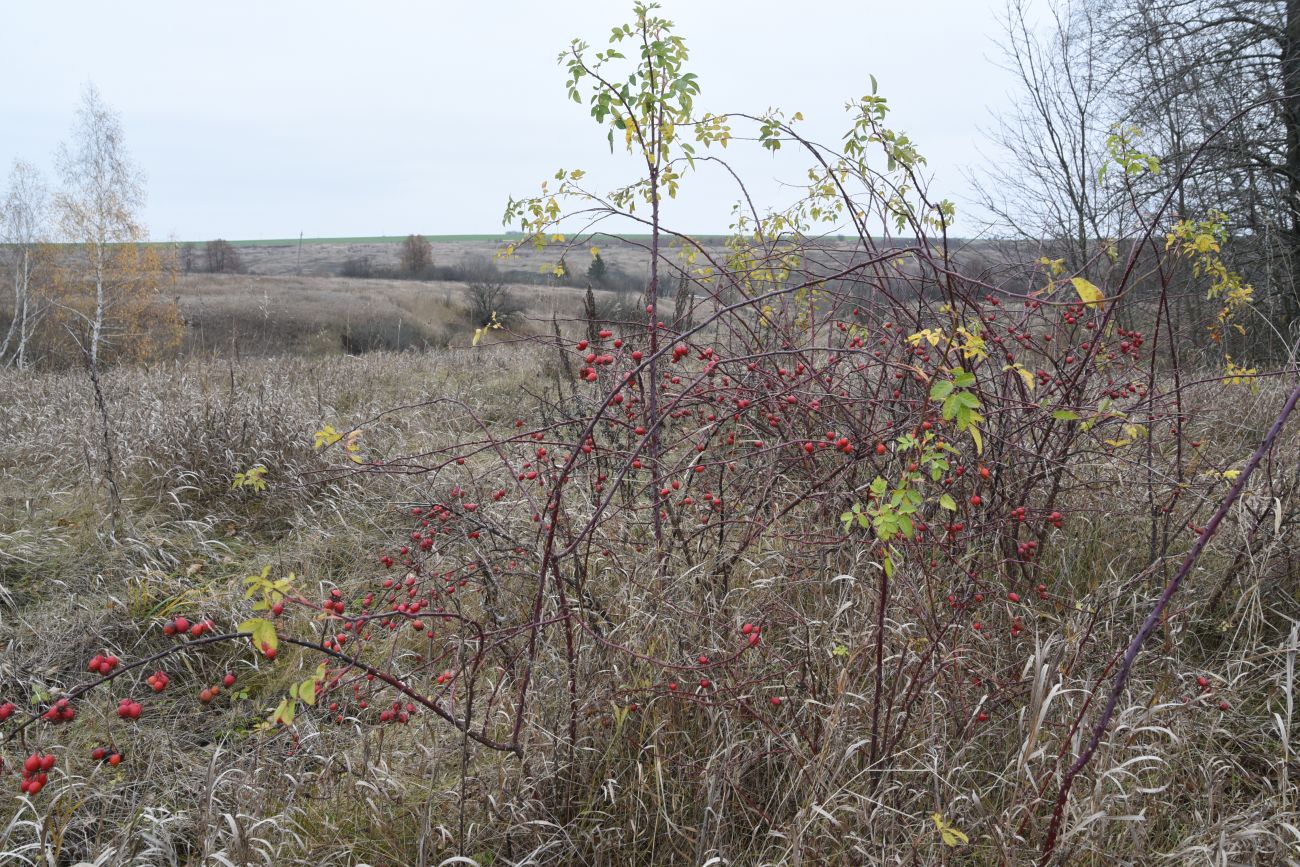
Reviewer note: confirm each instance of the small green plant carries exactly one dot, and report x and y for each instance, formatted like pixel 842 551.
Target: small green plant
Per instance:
pixel 253 478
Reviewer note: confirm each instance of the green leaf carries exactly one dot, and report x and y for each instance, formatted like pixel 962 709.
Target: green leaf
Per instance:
pixel 307 691
pixel 1065 415
pixel 941 389
pixel 946 501
pixel 284 713
pixel 263 633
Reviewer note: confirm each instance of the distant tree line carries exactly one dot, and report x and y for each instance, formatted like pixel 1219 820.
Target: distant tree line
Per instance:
pixel 415 262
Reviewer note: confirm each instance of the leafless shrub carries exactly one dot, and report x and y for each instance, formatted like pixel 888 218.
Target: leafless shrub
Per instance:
pixel 491 301
pixel 222 257
pixel 358 266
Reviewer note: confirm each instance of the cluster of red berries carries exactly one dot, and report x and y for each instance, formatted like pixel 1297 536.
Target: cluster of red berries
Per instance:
pixel 103 663
pixel 129 709
pixel 158 681
pixel 1131 343
pixel 1026 550
pixel 397 713
pixel 61 711
pixel 335 602
pixel 841 444
pixel 1073 314
pixel 753 634
pixel 102 754
pixel 182 626
pixel 36 773
pixel 592 358
pixel 7 710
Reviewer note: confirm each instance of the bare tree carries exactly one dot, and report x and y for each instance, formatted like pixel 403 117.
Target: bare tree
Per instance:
pixel 1215 84
pixel 1043 183
pixel 99 205
pixel 221 257
pixel 491 301
pixel 24 218
pixel 416 255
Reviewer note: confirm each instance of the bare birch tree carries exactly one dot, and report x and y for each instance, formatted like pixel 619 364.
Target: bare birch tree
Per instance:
pixel 24 223
pixel 99 205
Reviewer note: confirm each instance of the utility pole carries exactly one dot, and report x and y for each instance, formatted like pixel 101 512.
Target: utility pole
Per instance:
pixel 299 267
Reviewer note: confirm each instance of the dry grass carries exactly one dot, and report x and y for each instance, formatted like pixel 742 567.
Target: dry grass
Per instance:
pixel 239 315
pixel 1177 781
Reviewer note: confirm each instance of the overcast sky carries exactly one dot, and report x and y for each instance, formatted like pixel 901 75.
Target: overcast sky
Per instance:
pixel 264 119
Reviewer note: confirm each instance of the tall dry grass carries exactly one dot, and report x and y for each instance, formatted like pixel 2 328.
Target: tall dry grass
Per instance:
pixel 1177 780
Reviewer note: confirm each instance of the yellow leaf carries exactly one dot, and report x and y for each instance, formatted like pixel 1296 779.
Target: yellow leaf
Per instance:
pixel 951 836
pixel 327 436
pixel 1055 266
pixel 932 335
pixel 1205 244
pixel 1026 375
pixel 1088 293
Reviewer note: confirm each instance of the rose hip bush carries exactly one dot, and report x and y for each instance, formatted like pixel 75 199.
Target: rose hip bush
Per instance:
pixel 817 547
